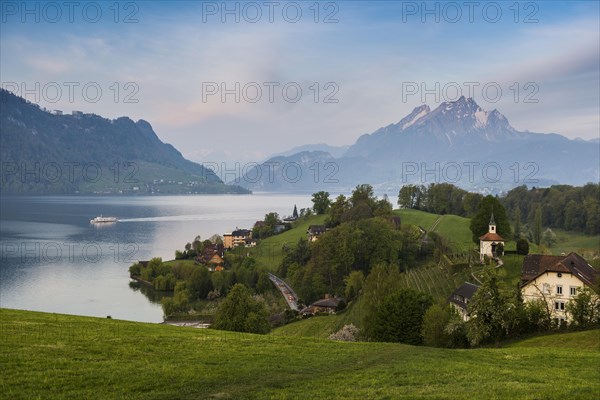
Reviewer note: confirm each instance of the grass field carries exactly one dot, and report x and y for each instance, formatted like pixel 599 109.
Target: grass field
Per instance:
pixel 54 356
pixel 573 241
pixel 268 252
pixel 454 228
pixel 416 217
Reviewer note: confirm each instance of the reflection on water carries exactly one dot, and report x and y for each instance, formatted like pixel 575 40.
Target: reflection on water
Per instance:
pixel 155 296
pixel 54 260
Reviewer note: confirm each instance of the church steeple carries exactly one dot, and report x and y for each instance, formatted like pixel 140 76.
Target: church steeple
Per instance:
pixel 492 225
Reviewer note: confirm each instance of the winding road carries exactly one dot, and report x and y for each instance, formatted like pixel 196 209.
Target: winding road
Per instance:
pixel 286 291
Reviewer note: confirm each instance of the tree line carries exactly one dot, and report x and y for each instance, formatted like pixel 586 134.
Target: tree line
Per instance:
pixel 560 206
pixel 572 208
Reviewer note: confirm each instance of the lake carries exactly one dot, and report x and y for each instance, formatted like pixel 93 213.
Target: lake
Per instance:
pixel 54 260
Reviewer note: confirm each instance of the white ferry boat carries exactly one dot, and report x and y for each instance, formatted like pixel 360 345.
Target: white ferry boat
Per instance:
pixel 101 220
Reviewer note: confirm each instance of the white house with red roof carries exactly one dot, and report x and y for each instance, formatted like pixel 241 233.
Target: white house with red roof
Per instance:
pixel 489 242
pixel 555 280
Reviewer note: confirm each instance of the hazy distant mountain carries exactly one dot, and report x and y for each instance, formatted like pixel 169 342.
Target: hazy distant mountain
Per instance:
pixel 460 143
pixel 45 153
pixel 299 172
pixel 335 151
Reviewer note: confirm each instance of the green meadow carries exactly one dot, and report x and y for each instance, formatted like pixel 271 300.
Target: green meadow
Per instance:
pixel 51 356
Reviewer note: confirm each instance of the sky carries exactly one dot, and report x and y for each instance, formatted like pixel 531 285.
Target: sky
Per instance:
pixel 239 81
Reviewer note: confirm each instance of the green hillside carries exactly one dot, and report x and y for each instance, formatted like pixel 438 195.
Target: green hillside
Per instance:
pixel 454 228
pixel 268 253
pixel 57 356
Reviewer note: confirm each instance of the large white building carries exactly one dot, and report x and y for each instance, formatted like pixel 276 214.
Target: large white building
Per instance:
pixel 555 280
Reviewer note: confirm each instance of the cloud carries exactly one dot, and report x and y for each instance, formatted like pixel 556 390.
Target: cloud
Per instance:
pixel 368 55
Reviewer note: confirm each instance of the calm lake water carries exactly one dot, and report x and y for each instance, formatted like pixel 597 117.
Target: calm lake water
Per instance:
pixel 54 260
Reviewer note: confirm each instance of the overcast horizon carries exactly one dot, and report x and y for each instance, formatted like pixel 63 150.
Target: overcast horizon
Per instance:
pixel 209 76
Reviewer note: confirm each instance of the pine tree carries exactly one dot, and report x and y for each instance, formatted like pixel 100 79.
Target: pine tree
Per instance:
pixel 517 223
pixel 537 225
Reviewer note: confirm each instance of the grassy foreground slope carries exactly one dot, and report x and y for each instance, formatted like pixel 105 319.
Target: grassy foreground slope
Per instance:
pixel 59 356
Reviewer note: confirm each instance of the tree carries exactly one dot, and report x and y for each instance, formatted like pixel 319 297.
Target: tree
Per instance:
pixel 537 225
pixel 363 194
pixel 400 316
pixel 337 210
pixel 489 311
pixel 240 312
pixel 354 283
pixel 549 237
pixel 522 246
pixel 216 239
pixel 382 280
pixel 434 326
pixel 200 283
pixel 480 222
pixel 585 309
pixel 295 212
pixel 271 221
pixel 383 207
pixel 517 223
pixel 321 202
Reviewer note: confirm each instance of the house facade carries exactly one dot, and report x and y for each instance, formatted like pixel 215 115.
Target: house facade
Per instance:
pixel 555 280
pixel 314 231
pixel 236 238
pixel 460 298
pixel 328 305
pixel 491 244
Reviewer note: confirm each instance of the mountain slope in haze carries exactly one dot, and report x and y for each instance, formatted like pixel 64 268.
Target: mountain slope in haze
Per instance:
pixel 298 172
pixel 334 151
pixel 46 153
pixel 460 143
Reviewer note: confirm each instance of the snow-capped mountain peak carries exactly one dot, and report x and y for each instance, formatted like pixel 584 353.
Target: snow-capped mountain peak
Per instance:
pixel 414 116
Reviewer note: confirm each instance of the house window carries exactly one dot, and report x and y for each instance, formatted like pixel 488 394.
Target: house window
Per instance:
pixel 573 290
pixel 558 289
pixel 559 305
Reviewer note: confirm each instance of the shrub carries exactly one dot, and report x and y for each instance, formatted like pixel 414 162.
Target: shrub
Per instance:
pixel 349 333
pixel 399 317
pixel 434 323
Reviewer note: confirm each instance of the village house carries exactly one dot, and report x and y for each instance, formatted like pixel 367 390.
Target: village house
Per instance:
pixel 328 305
pixel 212 257
pixel 236 238
pixel 491 244
pixel 460 298
pixel 314 231
pixel 555 280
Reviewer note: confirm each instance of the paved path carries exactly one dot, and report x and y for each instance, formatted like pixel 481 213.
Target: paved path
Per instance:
pixel 287 292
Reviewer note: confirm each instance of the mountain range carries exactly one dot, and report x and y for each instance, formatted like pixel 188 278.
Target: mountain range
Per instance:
pixel 51 153
pixel 458 142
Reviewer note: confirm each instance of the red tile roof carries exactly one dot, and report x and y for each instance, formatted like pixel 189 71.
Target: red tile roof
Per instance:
pixel 491 237
pixel 536 264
